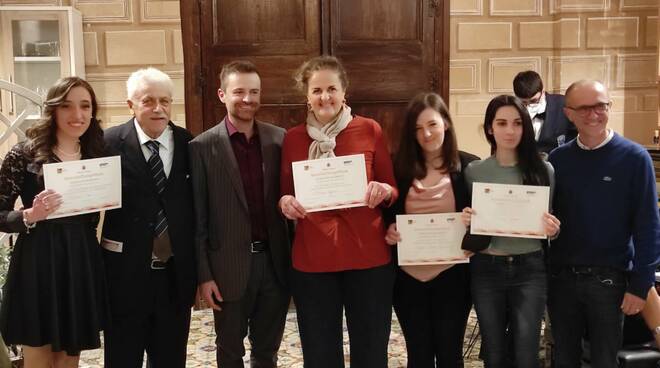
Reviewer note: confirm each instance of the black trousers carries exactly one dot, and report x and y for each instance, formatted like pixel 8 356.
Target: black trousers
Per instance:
pixel 160 328
pixel 320 301
pixel 260 315
pixel 433 316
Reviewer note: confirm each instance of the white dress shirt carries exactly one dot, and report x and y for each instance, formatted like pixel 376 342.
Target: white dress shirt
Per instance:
pixel 165 147
pixel 537 123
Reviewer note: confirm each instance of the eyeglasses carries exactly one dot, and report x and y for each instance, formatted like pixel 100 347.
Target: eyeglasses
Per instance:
pixel 599 108
pixel 152 102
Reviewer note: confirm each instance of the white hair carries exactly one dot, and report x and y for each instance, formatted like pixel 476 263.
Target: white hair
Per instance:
pixel 142 77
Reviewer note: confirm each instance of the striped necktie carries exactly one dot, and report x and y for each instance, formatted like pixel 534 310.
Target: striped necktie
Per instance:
pixel 162 249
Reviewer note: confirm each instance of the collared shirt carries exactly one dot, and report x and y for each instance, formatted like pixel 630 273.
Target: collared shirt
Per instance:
pixel 610 135
pixel 165 147
pixel 250 164
pixel 537 123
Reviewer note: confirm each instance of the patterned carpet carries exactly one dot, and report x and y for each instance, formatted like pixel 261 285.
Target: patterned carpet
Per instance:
pixel 201 346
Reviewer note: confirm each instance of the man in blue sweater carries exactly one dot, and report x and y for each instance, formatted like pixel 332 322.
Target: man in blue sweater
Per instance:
pixel 603 262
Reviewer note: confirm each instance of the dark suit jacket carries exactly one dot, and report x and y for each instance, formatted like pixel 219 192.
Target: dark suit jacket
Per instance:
pixel 128 272
pixel 223 232
pixel 555 124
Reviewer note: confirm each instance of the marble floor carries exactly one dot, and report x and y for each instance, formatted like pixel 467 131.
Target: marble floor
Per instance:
pixel 201 347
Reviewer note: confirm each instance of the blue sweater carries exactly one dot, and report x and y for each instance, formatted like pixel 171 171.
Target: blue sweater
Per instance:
pixel 606 201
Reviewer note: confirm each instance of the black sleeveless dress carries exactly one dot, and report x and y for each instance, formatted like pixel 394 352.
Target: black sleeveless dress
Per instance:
pixel 55 289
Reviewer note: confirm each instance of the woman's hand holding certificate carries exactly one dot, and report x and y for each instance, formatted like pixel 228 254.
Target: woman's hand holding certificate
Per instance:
pixel 85 186
pixel 510 210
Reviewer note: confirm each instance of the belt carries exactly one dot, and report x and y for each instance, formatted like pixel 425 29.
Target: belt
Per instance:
pixel 157 264
pixel 590 270
pixel 509 258
pixel 258 246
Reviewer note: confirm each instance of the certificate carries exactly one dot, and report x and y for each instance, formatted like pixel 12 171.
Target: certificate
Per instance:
pixel 330 183
pixel 85 185
pixel 509 210
pixel 430 239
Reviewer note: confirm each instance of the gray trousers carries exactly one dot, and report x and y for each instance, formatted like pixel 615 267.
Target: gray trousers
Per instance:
pixel 260 315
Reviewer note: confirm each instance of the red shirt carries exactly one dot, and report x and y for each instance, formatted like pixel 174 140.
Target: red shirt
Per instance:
pixel 250 164
pixel 346 239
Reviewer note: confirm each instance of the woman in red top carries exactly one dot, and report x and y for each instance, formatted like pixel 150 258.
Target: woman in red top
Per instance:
pixel 340 258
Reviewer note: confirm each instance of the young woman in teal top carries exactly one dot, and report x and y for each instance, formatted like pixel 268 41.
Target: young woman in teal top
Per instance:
pixel 509 277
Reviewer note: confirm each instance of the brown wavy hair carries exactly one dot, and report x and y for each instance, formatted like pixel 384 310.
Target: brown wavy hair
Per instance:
pixel 409 161
pixel 42 136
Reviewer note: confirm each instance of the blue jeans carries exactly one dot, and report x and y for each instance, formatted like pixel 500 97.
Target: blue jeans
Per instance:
pixel 509 291
pixel 586 298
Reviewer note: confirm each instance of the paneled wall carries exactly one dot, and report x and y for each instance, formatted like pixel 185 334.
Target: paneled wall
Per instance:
pixel 121 36
pixel 491 40
pixel 614 41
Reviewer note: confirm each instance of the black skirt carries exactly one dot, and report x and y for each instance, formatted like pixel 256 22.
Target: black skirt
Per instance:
pixel 55 290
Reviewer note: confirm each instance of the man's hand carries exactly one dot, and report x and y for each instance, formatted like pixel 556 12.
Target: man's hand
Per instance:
pixel 632 304
pixel 209 290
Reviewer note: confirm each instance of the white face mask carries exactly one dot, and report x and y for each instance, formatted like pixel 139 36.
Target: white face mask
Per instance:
pixel 537 108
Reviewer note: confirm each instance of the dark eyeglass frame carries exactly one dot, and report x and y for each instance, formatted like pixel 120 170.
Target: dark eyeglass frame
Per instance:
pixel 599 108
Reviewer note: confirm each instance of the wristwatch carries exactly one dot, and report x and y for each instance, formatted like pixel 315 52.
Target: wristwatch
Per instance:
pixel 656 330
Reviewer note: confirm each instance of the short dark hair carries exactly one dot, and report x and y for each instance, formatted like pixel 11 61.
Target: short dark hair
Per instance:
pixel 323 62
pixel 526 84
pixel 237 66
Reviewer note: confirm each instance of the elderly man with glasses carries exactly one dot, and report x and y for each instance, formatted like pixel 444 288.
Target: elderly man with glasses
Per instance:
pixel 602 264
pixel 148 243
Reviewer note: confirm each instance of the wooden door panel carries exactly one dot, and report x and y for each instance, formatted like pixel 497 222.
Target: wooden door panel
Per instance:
pixel 387 47
pixel 378 20
pixel 276 35
pixel 258 27
pixel 390 116
pixel 266 21
pixel 391 50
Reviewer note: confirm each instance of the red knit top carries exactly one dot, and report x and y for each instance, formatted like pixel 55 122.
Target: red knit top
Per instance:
pixel 345 239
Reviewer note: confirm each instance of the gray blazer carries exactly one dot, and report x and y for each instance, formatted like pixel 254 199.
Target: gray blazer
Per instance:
pixel 223 228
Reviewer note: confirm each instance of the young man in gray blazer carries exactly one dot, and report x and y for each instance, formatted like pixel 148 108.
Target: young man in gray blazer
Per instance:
pixel 242 242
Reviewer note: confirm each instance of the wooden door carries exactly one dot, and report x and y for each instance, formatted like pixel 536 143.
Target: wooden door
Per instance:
pixel 391 50
pixel 275 35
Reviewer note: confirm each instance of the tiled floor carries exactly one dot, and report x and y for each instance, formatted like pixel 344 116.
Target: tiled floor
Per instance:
pixel 201 346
